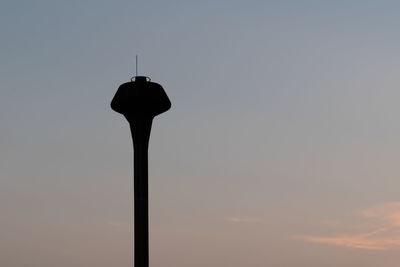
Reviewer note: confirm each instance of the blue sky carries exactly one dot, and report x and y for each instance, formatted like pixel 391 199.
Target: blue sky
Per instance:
pixel 281 147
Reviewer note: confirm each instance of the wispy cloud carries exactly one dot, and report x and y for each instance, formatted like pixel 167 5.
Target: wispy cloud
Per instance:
pixel 114 224
pixel 244 219
pixel 384 235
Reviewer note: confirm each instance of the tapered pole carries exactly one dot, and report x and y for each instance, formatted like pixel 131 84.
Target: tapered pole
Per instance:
pixel 140 130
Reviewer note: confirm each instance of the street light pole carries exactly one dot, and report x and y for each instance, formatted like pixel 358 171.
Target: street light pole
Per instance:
pixel 140 101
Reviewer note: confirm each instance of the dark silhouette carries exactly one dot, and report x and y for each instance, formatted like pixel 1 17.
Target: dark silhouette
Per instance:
pixel 140 101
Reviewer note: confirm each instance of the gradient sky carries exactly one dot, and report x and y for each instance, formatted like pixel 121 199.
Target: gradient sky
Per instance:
pixel 281 148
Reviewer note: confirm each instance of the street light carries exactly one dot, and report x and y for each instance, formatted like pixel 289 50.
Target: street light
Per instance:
pixel 140 101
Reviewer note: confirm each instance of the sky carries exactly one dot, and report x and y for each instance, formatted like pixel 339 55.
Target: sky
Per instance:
pixel 281 147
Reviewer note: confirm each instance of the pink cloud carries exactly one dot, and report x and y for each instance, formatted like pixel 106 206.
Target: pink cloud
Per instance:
pixel 244 219
pixel 386 234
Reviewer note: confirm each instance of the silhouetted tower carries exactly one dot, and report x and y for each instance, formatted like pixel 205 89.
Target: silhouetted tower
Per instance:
pixel 140 101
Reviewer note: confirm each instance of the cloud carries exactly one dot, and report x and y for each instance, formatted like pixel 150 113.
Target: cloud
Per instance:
pixel 243 219
pixel 385 235
pixel 387 212
pixel 115 223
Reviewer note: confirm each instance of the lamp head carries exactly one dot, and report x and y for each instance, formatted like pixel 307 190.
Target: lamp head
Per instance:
pixel 140 98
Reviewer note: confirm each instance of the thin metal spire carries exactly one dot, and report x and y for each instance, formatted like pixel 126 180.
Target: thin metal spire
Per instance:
pixel 136 65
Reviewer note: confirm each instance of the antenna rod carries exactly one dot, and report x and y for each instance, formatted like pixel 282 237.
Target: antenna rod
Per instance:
pixel 136 65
